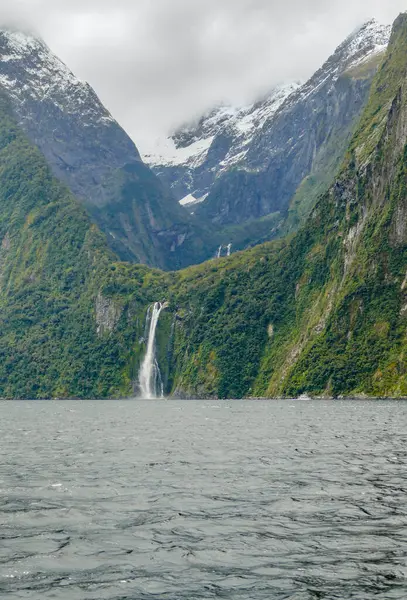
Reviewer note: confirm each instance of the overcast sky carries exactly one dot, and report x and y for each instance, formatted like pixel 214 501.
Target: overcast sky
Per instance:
pixel 156 63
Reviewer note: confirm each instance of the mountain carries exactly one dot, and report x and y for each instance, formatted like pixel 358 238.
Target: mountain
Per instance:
pixel 290 142
pixel 194 156
pixel 322 311
pixel 277 156
pixel 87 149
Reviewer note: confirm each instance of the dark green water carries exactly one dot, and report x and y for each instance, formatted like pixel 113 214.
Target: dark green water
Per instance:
pixel 199 500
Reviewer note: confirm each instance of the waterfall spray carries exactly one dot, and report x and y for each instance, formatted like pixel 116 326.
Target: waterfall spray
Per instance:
pixel 229 248
pixel 219 252
pixel 150 376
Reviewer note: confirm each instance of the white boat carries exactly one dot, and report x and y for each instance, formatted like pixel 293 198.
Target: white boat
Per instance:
pixel 304 397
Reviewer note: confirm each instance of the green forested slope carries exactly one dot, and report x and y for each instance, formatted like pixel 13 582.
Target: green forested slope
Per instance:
pixel 52 265
pixel 324 312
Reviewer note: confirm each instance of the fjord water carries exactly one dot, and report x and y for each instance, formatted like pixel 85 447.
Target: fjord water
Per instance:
pixel 202 499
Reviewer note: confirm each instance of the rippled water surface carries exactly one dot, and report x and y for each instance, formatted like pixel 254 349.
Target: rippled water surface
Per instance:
pixel 186 500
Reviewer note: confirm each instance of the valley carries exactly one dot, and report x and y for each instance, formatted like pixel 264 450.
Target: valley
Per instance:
pixel 321 311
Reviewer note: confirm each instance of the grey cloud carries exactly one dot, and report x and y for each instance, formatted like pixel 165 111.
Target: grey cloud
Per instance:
pixel 156 63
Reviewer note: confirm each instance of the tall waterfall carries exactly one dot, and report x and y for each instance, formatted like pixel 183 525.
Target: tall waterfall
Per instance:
pixel 150 376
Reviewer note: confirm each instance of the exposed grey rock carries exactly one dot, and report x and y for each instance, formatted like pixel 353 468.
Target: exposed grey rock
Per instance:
pixel 108 314
pixel 6 242
pixel 191 160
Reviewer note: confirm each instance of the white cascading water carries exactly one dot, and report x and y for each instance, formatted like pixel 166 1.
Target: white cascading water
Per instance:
pixel 150 375
pixel 228 250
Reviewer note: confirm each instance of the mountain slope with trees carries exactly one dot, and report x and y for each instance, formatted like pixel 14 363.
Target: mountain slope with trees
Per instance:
pixel 88 150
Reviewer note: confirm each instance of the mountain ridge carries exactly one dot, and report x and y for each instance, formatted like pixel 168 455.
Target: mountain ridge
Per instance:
pixel 191 145
pixel 281 167
pixel 326 312
pixel 89 151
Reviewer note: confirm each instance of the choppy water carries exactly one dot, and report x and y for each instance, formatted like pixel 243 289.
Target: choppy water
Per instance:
pixel 187 500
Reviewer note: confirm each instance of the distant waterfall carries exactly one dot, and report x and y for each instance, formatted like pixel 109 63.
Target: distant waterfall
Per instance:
pixel 151 385
pixel 228 249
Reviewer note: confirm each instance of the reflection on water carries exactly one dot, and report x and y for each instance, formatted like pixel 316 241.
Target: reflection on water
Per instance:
pixel 187 500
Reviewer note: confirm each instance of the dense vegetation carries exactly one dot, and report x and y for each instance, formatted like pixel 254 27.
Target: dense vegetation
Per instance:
pixel 52 263
pixel 324 312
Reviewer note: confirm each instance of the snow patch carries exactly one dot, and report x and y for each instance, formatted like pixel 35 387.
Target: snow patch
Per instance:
pixel 190 200
pixel 165 152
pixel 228 136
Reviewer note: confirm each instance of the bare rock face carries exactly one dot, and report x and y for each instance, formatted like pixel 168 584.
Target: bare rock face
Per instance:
pixel 63 116
pixel 107 315
pixel 232 167
pixel 6 242
pixel 236 165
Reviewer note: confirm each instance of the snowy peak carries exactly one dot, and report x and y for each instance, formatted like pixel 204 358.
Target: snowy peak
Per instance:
pixel 236 127
pixel 190 144
pixel 30 71
pixel 369 39
pixel 88 151
pixel 241 163
pixel 238 120
pixel 63 116
pixel 365 43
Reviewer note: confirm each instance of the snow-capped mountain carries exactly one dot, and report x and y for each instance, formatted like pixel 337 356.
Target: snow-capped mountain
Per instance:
pixel 233 164
pixel 367 42
pixel 56 109
pixel 193 157
pixel 224 132
pixel 26 57
pixel 237 164
pixel 92 154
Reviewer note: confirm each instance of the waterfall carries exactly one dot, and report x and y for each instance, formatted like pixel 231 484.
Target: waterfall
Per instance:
pixel 150 375
pixel 220 249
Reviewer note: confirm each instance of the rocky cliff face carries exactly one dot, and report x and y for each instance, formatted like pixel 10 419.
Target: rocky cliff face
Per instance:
pixel 247 163
pixel 90 152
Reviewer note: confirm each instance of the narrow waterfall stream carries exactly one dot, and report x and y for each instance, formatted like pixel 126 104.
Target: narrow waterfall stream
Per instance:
pixel 149 376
